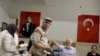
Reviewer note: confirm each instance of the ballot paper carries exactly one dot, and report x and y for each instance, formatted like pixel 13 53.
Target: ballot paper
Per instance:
pixel 23 45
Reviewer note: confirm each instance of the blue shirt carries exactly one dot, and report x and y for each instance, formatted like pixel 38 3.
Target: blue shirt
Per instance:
pixel 67 51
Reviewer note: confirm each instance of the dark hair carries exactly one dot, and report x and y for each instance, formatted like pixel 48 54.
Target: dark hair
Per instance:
pixel 52 44
pixel 12 28
pixel 21 42
pixel 94 46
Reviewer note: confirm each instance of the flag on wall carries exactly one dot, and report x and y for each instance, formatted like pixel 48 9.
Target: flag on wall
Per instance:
pixel 88 28
pixel 34 15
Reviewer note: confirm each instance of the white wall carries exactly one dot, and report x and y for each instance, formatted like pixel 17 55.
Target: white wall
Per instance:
pixel 3 16
pixel 62 30
pixel 64 13
pixel 5 6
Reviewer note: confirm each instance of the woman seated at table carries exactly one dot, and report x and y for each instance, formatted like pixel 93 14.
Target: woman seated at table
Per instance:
pixel 93 51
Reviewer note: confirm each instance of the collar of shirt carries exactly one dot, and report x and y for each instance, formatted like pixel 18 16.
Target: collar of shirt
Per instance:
pixel 69 48
pixel 27 24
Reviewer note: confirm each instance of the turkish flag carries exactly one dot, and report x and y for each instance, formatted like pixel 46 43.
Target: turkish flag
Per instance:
pixel 34 15
pixel 88 28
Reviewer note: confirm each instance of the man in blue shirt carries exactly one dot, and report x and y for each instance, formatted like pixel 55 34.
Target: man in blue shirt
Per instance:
pixel 67 49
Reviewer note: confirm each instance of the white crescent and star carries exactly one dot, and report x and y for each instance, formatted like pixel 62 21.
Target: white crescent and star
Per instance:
pixel 90 20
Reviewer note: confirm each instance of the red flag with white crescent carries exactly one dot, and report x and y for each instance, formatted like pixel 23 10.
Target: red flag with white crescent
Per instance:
pixel 88 28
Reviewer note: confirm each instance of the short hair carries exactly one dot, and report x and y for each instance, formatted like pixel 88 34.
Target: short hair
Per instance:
pixel 69 40
pixel 21 42
pixel 94 46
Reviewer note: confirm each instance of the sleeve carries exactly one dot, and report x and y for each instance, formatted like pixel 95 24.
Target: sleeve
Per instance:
pixel 36 36
pixel 88 54
pixel 75 52
pixel 97 54
pixel 16 38
pixel 23 29
pixel 61 47
pixel 8 45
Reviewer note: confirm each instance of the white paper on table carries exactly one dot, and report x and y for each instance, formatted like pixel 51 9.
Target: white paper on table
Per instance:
pixel 23 45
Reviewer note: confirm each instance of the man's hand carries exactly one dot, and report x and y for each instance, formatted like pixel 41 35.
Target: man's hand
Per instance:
pixel 48 49
pixel 56 44
pixel 18 46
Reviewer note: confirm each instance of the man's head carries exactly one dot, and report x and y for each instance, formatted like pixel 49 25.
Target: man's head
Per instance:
pixel 28 19
pixel 47 23
pixel 94 48
pixel 69 42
